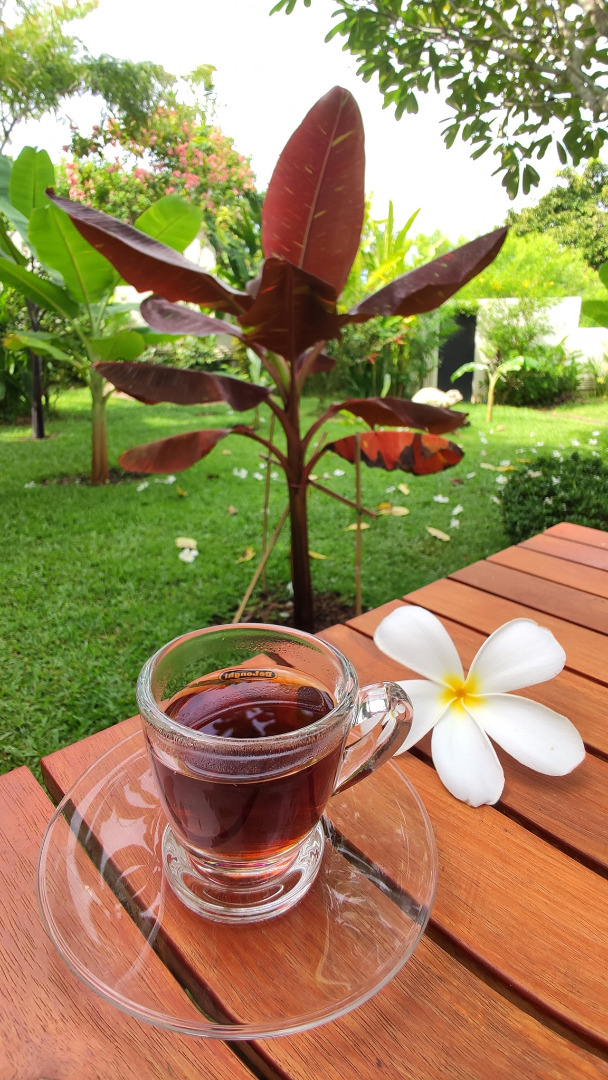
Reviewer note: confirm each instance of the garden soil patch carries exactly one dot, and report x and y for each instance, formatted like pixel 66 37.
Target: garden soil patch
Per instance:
pixel 329 609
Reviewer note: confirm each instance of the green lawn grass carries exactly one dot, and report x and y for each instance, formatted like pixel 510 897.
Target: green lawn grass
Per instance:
pixel 91 579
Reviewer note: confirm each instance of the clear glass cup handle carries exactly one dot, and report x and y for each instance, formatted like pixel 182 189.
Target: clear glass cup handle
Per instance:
pixel 385 717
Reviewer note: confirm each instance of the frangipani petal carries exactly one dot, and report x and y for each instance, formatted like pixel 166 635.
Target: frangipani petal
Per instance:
pixel 415 638
pixel 533 734
pixel 520 653
pixel 465 759
pixel 426 698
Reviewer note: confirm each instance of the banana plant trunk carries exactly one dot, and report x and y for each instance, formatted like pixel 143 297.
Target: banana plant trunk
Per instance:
pixel 303 612
pixel 37 408
pixel 100 472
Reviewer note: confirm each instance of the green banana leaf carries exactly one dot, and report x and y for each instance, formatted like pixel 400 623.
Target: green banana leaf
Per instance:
pixel 171 220
pixel 37 341
pixel 41 292
pixel 125 345
pixel 31 174
pixel 87 274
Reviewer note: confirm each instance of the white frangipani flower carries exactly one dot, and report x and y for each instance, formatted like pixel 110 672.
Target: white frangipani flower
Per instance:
pixel 465 712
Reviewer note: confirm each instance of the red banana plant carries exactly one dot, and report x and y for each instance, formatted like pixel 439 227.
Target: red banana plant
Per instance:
pixel 311 227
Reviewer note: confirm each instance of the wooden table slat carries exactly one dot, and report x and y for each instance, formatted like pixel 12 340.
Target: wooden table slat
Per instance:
pixel 585 578
pixel 580 534
pixel 545 596
pixel 50 1024
pixel 586 650
pixel 550 544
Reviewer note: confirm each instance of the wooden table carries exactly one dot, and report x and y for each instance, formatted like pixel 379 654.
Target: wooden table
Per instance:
pixel 511 977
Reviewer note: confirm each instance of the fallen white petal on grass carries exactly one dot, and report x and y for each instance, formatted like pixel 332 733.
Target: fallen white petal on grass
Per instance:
pixel 574 442
pixel 241 473
pixel 592 442
pixel 389 489
pixel 457 510
pixel 495 499
pixel 455 523
pixel 338 472
pixel 144 484
pixel 30 484
pixel 165 480
pixel 470 475
pixel 188 555
pixel 502 479
pixel 533 473
pixel 258 476
pixel 440 498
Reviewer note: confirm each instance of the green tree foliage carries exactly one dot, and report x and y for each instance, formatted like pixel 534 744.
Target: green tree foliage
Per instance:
pixel 575 213
pixel 532 266
pixel 508 70
pixel 388 354
pixel 176 149
pixel 43 64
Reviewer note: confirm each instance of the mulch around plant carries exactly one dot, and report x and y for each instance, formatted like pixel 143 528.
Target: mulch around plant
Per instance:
pixel 329 609
pixel 117 476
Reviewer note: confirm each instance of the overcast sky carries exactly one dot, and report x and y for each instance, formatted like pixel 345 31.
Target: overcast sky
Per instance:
pixel 269 72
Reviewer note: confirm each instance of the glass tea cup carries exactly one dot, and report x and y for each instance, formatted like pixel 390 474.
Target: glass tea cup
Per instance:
pixel 246 728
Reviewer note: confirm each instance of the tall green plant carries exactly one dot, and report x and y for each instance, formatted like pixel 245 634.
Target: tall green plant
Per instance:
pixel 511 335
pixel 311 226
pixel 62 273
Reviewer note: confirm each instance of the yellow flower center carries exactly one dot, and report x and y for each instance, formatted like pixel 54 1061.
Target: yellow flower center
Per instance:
pixel 459 691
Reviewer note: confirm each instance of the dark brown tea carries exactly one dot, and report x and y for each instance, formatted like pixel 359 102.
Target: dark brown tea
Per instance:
pixel 258 817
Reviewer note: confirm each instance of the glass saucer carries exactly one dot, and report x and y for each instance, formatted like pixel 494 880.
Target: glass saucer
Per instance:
pixel 114 920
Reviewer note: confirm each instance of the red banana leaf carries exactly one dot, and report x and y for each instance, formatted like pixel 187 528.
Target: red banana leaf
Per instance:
pixel 425 288
pixel 405 450
pixel 170 318
pixel 397 412
pixel 149 265
pixel 313 209
pixel 174 454
pixel 152 383
pixel 291 311
pixel 322 362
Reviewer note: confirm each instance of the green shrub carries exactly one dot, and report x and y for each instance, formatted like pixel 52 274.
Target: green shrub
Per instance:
pixel 551 489
pixel 550 376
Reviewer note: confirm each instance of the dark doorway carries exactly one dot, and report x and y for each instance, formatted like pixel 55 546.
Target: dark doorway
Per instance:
pixel 458 349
